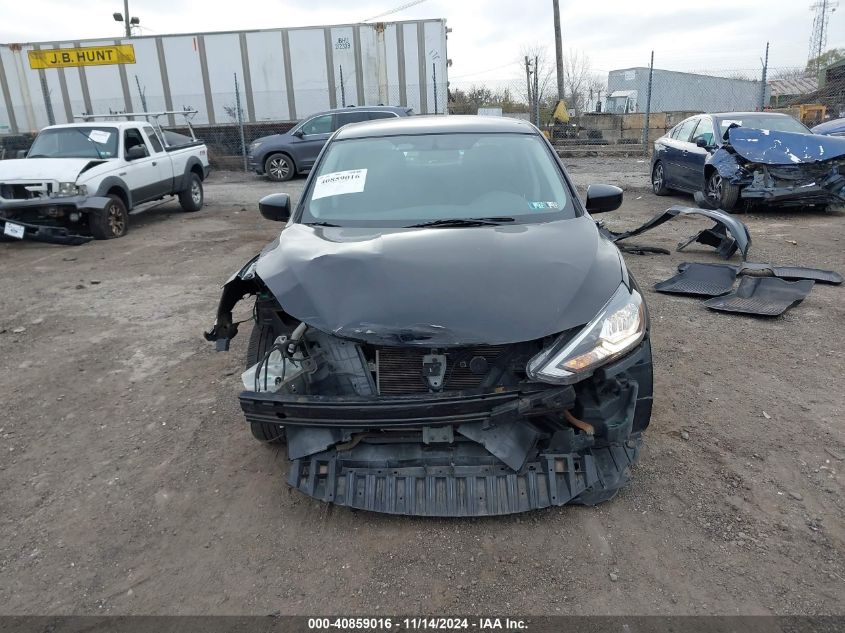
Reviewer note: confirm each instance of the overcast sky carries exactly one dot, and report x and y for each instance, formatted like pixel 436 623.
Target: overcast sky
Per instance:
pixel 487 35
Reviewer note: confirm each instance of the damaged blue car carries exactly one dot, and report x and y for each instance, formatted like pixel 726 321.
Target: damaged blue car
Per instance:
pixel 751 157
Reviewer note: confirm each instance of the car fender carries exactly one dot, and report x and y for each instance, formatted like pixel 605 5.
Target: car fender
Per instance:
pixel 727 164
pixel 110 182
pixel 185 182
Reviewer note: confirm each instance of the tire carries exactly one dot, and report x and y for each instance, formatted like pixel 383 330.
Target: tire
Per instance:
pixel 279 167
pixel 192 197
pixel 725 194
pixel 260 342
pixel 111 222
pixel 658 180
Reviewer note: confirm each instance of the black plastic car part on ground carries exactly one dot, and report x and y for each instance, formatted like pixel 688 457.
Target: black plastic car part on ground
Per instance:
pixel 728 235
pixel 436 334
pixel 762 296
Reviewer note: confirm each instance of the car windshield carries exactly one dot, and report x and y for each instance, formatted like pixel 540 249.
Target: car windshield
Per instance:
pixel 75 142
pixel 776 123
pixel 437 178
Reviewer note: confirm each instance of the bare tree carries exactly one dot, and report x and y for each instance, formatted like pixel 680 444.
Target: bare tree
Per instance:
pixel 576 78
pixel 546 85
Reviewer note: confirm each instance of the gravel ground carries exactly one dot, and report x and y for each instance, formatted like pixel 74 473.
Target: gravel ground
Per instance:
pixel 129 482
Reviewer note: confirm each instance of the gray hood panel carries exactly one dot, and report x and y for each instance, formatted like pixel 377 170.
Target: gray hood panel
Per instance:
pixel 443 286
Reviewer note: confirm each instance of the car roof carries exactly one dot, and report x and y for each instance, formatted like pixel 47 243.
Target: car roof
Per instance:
pixel 724 115
pixel 436 124
pixel 117 124
pixel 366 108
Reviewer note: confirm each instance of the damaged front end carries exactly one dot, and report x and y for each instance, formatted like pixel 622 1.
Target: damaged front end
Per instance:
pixel 447 429
pixel 782 168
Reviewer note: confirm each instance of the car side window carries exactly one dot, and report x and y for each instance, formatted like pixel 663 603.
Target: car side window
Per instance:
pixel 131 138
pixel 705 131
pixel 318 125
pixel 153 138
pixel 343 118
pixel 381 115
pixel 685 129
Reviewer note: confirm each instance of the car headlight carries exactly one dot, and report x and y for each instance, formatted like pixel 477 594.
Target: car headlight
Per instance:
pixel 255 145
pixel 70 189
pixel 616 329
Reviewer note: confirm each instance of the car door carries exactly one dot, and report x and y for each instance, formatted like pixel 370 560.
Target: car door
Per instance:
pixel 161 162
pixel 677 148
pixel 695 157
pixel 140 174
pixel 310 137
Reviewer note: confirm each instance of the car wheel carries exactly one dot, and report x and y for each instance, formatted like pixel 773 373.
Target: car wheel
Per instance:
pixel 722 193
pixel 260 341
pixel 192 197
pixel 658 180
pixel 111 222
pixel 279 167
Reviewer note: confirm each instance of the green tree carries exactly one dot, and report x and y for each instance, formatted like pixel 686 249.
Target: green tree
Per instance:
pixel 825 59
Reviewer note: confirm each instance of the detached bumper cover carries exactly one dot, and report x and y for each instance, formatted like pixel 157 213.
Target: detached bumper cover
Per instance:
pixel 469 489
pixel 49 234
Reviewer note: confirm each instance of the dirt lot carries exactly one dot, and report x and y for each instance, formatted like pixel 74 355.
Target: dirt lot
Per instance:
pixel 129 482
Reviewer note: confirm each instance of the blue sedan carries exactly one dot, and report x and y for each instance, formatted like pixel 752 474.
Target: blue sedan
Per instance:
pixel 681 157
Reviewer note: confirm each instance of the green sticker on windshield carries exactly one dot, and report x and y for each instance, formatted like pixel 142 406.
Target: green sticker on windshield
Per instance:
pixel 543 205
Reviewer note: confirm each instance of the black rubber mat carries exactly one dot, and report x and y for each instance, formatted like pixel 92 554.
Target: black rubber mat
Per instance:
pixel 790 273
pixel 708 280
pixel 763 296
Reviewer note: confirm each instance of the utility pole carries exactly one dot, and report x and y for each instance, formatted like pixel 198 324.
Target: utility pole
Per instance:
pixel 126 18
pixel 558 50
pixel 536 92
pixel 528 86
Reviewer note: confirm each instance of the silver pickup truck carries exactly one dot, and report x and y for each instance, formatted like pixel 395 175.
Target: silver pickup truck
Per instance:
pixel 80 181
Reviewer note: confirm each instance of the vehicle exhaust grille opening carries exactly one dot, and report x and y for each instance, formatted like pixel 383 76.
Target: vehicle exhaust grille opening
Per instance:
pixel 399 370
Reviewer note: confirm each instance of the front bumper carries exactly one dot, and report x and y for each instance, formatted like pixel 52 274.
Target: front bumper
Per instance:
pixel 35 216
pixel 466 453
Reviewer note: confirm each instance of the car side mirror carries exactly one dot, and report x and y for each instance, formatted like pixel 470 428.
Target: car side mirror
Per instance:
pixel 702 142
pixel 135 152
pixel 275 207
pixel 299 133
pixel 603 198
pixel 21 153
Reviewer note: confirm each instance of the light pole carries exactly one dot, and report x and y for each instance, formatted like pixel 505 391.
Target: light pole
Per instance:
pixel 128 22
pixel 558 50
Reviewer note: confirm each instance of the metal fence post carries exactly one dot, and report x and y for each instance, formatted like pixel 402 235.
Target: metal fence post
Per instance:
pixel 648 105
pixel 765 72
pixel 240 117
pixel 434 83
pixel 536 92
pixel 141 94
pixel 342 89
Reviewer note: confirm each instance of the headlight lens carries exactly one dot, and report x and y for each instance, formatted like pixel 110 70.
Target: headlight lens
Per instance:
pixel 70 189
pixel 617 328
pixel 255 145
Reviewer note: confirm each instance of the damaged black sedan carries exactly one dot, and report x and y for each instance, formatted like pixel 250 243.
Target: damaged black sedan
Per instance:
pixel 441 329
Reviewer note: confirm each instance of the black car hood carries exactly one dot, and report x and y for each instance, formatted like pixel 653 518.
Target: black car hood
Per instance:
pixel 443 286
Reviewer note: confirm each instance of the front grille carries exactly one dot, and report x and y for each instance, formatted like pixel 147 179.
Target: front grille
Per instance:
pixel 400 369
pixel 18 191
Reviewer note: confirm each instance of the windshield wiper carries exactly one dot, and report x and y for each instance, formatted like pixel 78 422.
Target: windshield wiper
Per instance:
pixel 320 224
pixel 90 140
pixel 463 222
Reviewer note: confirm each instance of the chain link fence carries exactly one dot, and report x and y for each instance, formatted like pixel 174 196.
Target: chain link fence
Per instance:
pixel 605 112
pixel 625 110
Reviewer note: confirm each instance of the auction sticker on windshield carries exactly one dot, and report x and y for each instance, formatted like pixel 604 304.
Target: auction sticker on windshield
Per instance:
pixel 99 136
pixel 14 230
pixel 339 183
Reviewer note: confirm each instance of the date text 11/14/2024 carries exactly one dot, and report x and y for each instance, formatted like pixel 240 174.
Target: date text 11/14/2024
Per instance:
pixel 420 623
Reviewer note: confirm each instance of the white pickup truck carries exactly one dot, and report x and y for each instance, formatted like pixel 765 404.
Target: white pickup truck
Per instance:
pixel 82 180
